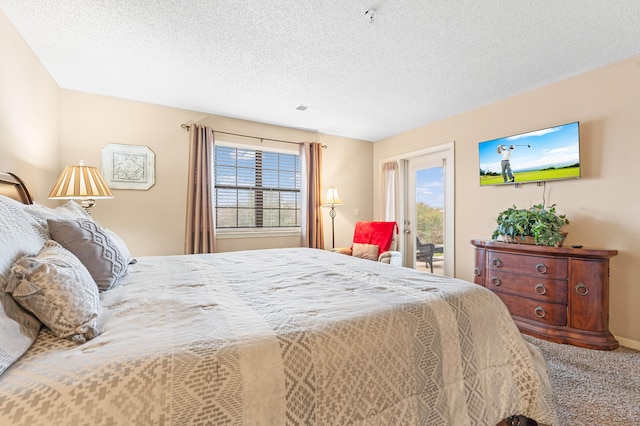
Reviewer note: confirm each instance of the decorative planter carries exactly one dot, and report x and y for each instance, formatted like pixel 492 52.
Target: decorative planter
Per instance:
pixel 520 239
pixel 528 239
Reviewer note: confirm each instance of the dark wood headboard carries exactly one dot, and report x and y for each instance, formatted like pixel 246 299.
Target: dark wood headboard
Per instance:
pixel 13 187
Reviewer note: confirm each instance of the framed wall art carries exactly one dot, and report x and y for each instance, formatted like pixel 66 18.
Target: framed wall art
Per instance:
pixel 128 166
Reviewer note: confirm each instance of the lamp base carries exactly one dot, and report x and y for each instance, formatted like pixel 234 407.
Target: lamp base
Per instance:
pixel 87 203
pixel 332 214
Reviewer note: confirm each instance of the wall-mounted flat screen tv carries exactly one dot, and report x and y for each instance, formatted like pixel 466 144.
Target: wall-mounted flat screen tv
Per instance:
pixel 538 156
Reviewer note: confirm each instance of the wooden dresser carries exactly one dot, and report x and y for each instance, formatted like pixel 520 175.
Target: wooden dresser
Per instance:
pixel 554 293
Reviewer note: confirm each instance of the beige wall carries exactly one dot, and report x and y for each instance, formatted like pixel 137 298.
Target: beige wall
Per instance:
pixel 29 115
pixel 603 206
pixel 152 222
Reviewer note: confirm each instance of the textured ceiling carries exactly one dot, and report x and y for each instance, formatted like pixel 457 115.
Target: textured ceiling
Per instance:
pixel 417 62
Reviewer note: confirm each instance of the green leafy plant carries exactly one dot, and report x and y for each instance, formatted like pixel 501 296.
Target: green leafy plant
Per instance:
pixel 544 225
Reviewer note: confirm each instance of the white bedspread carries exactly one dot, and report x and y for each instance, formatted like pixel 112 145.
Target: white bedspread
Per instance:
pixel 284 336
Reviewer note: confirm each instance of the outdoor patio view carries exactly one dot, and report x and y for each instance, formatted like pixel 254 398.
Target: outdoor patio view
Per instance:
pixel 429 220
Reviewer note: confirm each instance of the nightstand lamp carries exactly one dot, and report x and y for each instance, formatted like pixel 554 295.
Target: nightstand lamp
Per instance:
pixel 81 183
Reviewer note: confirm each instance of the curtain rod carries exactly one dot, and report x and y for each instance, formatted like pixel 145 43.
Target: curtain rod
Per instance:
pixel 186 127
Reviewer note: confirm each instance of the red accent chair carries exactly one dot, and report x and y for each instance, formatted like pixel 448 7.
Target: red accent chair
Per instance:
pixel 374 241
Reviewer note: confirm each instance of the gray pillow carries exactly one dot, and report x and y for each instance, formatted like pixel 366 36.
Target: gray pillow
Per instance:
pixel 58 289
pixel 20 235
pixel 94 247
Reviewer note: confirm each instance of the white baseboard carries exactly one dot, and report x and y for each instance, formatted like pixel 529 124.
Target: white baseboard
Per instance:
pixel 628 343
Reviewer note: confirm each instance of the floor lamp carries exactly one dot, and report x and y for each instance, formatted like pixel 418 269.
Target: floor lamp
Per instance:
pixel 332 199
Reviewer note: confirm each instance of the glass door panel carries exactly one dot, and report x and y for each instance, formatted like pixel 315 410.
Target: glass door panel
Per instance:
pixel 426 220
pixel 424 224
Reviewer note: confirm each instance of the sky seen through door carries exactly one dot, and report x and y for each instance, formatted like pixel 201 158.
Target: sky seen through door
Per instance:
pixel 430 187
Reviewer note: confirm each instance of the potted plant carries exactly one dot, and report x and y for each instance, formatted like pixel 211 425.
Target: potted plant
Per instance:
pixel 535 225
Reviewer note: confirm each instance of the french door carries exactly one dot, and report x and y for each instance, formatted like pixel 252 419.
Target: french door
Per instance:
pixel 428 211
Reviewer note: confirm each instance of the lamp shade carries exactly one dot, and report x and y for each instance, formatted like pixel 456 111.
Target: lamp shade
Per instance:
pixel 80 182
pixel 332 197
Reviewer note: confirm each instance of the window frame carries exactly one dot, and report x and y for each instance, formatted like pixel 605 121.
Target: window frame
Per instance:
pixel 256 232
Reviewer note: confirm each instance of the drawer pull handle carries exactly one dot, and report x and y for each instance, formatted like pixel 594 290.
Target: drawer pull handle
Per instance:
pixel 541 289
pixel 542 268
pixel 495 280
pixel 582 289
pixel 539 312
pixel 496 262
pixel 477 272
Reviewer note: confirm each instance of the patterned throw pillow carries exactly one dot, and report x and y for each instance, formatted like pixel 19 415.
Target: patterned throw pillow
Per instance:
pixel 94 247
pixel 58 289
pixel 365 251
pixel 120 244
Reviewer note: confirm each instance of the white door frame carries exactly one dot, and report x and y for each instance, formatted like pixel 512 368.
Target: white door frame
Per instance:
pixel 445 152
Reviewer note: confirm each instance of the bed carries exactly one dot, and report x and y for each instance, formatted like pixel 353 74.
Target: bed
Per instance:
pixel 267 337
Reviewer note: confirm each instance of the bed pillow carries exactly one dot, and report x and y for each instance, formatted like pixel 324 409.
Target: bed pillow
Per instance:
pixel 365 251
pixel 19 236
pixel 68 210
pixel 56 287
pixel 94 247
pixel 120 244
pixel 18 330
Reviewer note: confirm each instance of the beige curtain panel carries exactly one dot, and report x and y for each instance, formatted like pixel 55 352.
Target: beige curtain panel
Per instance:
pixel 312 231
pixel 200 230
pixel 389 188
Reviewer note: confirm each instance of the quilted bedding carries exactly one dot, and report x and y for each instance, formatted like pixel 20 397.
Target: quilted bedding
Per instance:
pixel 283 336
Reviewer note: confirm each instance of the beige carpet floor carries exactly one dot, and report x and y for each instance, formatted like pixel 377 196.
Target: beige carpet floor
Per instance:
pixel 592 387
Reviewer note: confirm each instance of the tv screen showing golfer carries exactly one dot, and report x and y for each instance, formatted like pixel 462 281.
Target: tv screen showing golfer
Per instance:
pixel 541 155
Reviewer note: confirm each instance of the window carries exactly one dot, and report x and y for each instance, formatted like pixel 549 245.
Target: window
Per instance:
pixel 256 189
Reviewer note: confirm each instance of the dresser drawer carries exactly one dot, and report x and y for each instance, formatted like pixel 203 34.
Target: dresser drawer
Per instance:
pixel 547 313
pixel 540 266
pixel 538 288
